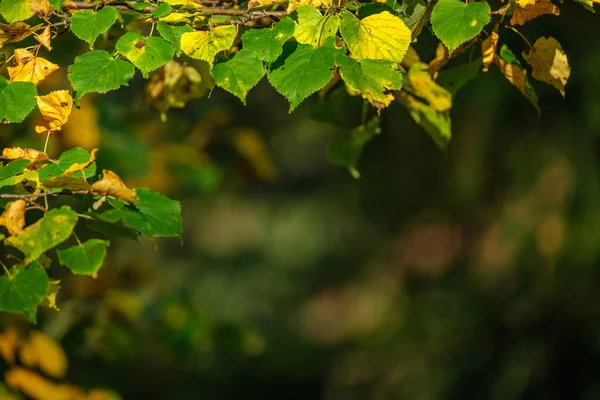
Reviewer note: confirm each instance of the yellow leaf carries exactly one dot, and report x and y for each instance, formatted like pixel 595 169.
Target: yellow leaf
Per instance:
pixel 532 9
pixel 112 185
pixel 437 97
pixel 55 108
pixel 260 3
pixel 45 38
pixel 41 8
pixel 205 45
pixel 549 63
pixel 80 167
pixel 38 388
pixel 380 36
pixel 15 32
pixel 30 68
pixel 41 351
pixel 9 342
pixel 13 217
pixel 29 154
pixel 488 49
pixel 442 56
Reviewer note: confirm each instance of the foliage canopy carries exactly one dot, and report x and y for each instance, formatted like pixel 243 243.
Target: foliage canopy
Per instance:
pixel 302 47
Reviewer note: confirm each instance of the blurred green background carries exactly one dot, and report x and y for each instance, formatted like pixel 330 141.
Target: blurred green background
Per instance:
pixel 466 275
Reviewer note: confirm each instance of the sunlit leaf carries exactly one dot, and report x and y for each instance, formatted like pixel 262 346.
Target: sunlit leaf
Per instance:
pixel 312 27
pixel 436 124
pixel 378 37
pixel 14 153
pixel 267 43
pixel 172 33
pixel 205 45
pixel 455 22
pixel 74 156
pixel 488 49
pixel 30 68
pixel 16 10
pixel 426 88
pixel 17 100
pixel 530 9
pixel 43 352
pixel 513 71
pixel 346 150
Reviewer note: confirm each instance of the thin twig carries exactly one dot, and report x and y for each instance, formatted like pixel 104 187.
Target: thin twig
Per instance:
pixel 41 194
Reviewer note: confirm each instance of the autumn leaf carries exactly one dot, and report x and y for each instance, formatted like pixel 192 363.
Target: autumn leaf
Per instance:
pixel 13 217
pixel 437 97
pixel 488 49
pixel 112 185
pixel 55 108
pixel 515 74
pixel 45 38
pixel 15 32
pixel 29 68
pixel 9 342
pixel 549 63
pixel 38 387
pixel 28 154
pixel 41 351
pixel 41 8
pixel 529 9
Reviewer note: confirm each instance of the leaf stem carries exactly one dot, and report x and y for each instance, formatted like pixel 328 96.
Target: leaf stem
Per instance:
pixel 6 270
pixel 520 34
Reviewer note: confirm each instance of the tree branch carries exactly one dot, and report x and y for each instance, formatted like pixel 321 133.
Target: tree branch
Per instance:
pixel 41 194
pixel 126 6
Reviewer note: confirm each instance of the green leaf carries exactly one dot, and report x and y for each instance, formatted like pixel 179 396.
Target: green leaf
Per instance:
pixel 306 70
pixel 267 43
pixel 76 155
pixel 14 180
pixel 18 100
pixel 88 25
pixel 455 78
pixel 346 150
pixel 162 10
pixel 436 124
pixel 147 53
pixel 154 214
pixel 172 33
pixel 24 290
pixel 589 4
pixel 239 74
pixel 85 258
pixel 48 232
pixel 370 78
pixel 14 168
pixel 97 71
pixel 16 10
pixel 312 27
pixel 380 36
pixel 455 22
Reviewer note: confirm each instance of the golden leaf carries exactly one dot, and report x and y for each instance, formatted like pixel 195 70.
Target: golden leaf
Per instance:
pixel 112 185
pixel 187 3
pixel 517 76
pixel 29 68
pixel 442 56
pixel 9 342
pixel 531 9
pixel 39 388
pixel 15 32
pixel 204 45
pixel 45 38
pixel 41 8
pixel 549 63
pixel 488 49
pixel 293 4
pixel 80 167
pixel 13 217
pixel 55 108
pixel 40 350
pixel 32 155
